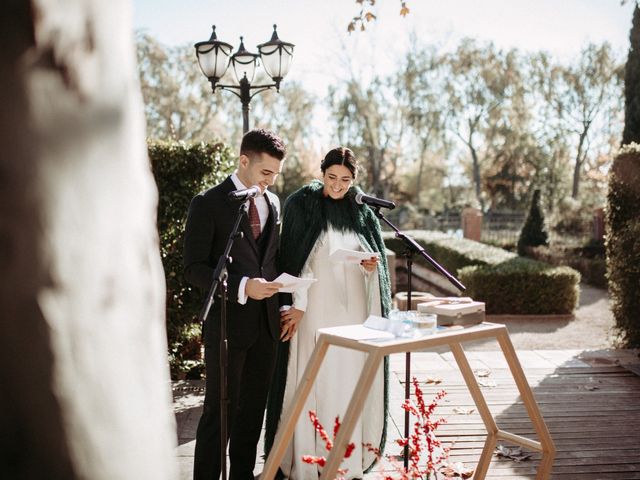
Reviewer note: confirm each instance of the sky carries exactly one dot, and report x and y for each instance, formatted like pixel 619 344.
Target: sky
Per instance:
pixel 318 28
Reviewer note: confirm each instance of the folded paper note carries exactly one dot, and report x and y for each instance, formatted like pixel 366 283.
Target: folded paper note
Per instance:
pixel 357 332
pixel 351 256
pixel 376 322
pixel 290 283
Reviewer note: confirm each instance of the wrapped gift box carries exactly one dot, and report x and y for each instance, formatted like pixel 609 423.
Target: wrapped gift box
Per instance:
pixel 454 310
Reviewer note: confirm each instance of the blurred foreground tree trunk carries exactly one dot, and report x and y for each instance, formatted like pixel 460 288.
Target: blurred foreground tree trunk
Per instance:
pixel 84 385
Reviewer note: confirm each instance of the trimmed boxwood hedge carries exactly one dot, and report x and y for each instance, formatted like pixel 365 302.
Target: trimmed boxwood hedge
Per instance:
pixel 508 284
pixel 522 286
pixel 181 171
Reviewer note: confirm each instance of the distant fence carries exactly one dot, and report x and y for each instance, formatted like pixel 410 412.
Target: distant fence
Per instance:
pixel 500 228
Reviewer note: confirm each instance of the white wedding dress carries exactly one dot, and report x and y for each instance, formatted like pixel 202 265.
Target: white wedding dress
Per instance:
pixel 344 294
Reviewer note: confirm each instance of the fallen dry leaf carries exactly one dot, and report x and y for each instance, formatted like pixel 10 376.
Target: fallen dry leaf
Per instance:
pixel 457 469
pixel 512 453
pixel 463 411
pixel 487 383
pixel 434 380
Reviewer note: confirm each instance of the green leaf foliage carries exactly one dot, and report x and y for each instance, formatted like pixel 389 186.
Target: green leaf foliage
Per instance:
pixel 631 131
pixel 534 232
pixel 623 242
pixel 181 171
pixel 508 284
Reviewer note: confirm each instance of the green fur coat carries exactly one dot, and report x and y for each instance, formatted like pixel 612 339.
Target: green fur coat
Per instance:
pixel 307 213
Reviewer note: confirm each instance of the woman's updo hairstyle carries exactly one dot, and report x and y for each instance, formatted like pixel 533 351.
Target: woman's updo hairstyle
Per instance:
pixel 340 156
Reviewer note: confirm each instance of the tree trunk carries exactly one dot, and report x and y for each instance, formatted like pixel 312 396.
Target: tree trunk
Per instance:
pixel 476 171
pixel 577 168
pixel 84 379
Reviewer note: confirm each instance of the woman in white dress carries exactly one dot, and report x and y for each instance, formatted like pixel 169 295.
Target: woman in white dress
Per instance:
pixel 318 219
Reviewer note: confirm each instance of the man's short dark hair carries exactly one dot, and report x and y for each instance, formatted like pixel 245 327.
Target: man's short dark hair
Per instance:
pixel 262 141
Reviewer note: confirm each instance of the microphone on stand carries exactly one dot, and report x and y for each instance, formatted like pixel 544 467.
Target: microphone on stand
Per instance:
pixel 361 199
pixel 245 193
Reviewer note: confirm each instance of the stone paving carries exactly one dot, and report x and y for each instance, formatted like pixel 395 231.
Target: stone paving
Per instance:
pixel 188 395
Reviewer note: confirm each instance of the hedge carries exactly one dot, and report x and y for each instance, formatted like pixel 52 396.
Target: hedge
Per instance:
pixel 508 284
pixel 522 286
pixel 623 242
pixel 181 171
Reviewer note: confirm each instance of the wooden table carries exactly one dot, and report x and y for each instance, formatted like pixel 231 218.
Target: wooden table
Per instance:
pixel 376 350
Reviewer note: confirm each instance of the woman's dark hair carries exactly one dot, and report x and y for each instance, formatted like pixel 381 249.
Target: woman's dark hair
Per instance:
pixel 340 156
pixel 262 141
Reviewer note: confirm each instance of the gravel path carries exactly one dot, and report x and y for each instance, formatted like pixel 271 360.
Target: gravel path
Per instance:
pixel 591 327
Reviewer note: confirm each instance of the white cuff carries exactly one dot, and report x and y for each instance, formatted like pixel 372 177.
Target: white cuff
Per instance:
pixel 300 299
pixel 242 294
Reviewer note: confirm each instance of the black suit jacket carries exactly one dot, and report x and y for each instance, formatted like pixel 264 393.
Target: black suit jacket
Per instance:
pixel 210 220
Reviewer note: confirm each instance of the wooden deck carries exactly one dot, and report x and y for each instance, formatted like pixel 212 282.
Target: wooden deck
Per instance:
pixel 590 405
pixel 593 414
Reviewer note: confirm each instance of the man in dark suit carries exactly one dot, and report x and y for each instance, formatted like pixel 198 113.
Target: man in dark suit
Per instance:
pixel 252 309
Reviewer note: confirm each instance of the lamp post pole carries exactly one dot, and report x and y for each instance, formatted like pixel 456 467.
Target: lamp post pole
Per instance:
pixel 245 98
pixel 215 57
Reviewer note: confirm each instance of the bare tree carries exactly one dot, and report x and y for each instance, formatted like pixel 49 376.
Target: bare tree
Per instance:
pixel 367 120
pixel 590 91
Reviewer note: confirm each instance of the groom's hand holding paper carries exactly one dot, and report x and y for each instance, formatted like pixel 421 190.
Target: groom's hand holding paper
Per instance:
pixel 290 283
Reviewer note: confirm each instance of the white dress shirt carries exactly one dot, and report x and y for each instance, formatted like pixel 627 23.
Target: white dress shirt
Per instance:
pixel 263 214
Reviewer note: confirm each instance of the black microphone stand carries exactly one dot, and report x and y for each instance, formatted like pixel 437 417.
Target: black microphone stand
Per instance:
pixel 413 247
pixel 220 276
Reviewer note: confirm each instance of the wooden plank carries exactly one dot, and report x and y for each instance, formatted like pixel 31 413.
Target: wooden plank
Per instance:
pixel 592 413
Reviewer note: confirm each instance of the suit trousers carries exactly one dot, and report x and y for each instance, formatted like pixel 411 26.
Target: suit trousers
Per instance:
pixel 249 375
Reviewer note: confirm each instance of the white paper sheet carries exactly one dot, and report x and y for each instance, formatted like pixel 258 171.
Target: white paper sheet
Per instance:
pixel 291 283
pixel 358 332
pixel 351 256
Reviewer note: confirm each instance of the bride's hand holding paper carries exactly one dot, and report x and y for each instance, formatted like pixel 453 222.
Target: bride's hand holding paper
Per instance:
pixel 368 260
pixel 370 264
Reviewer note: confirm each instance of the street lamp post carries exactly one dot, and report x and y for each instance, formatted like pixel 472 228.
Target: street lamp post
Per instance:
pixel 214 57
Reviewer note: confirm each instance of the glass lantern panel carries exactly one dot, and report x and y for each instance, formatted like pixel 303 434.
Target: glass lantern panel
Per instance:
pixel 276 60
pixel 244 65
pixel 213 61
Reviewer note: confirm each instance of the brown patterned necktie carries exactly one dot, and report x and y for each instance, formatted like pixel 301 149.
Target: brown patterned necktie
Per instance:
pixel 254 218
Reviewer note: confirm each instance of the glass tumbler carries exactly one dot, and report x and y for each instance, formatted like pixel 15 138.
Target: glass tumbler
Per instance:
pixel 426 323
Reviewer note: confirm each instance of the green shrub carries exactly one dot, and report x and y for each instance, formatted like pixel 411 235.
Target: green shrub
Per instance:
pixel 623 242
pixel 452 253
pixel 522 286
pixel 631 132
pixel 180 172
pixel 505 282
pixel 589 260
pixel 534 231
pixel 572 218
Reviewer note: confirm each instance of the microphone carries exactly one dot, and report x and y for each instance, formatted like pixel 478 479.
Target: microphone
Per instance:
pixel 361 199
pixel 245 193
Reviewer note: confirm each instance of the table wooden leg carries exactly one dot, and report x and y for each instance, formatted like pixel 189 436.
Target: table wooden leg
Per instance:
pixel 290 417
pixel 360 394
pixel 483 410
pixel 548 447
